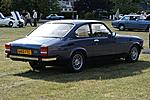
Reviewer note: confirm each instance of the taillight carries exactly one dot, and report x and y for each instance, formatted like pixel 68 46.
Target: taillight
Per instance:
pixel 44 51
pixel 7 47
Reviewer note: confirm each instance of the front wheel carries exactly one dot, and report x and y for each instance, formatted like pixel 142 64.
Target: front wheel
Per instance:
pixel 133 54
pixel 37 65
pixel 77 62
pixel 10 24
pixel 121 27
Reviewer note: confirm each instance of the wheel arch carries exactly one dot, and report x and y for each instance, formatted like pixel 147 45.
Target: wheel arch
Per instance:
pixel 82 50
pixel 10 21
pixel 121 24
pixel 121 28
pixel 136 44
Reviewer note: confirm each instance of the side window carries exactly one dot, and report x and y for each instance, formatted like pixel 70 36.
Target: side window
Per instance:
pixel 100 30
pixel 125 18
pixel 83 31
pixel 133 17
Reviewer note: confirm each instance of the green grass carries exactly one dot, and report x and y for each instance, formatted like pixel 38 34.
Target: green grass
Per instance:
pixel 100 81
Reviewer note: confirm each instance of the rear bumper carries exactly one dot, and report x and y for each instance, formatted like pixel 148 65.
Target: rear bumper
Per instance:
pixel 24 58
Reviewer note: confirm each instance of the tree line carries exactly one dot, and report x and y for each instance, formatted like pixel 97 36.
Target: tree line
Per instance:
pixel 42 6
pixel 81 6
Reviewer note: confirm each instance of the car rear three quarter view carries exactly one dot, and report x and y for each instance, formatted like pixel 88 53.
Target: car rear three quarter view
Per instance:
pixel 72 41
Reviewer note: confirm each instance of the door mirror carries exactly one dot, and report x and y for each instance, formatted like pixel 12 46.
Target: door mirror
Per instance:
pixel 113 34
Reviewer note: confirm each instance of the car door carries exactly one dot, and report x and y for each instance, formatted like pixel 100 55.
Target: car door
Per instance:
pixel 142 24
pixel 105 43
pixel 136 23
pixel 125 21
pixel 84 39
pixel 2 19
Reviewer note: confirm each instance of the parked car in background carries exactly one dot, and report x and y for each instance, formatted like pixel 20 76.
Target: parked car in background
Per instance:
pixel 18 21
pixel 73 42
pixel 54 17
pixel 12 21
pixel 131 22
pixel 4 21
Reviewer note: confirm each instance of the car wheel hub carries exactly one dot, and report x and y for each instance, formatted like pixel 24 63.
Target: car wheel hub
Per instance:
pixel 77 61
pixel 134 53
pixel 121 27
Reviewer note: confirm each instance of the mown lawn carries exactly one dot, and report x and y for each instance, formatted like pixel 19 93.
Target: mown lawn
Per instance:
pixel 109 80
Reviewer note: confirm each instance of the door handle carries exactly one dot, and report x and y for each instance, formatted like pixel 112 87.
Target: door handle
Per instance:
pixel 96 40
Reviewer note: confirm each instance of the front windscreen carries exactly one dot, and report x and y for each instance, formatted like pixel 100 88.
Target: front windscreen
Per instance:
pixel 52 30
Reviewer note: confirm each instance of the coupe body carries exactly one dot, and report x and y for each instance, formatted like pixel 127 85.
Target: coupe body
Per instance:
pixel 72 41
pixel 131 22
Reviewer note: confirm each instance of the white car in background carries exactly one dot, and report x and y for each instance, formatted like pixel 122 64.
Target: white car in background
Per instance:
pixel 4 21
pixel 54 17
pixel 14 21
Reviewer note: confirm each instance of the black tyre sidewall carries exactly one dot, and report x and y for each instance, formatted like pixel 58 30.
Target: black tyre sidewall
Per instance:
pixel 71 68
pixel 10 24
pixel 120 28
pixel 129 58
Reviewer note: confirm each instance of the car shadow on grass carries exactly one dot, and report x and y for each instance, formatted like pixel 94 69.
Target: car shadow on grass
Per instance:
pixel 97 70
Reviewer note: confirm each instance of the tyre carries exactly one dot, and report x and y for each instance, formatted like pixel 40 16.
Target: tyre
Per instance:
pixel 148 28
pixel 10 24
pixel 20 24
pixel 133 54
pixel 77 62
pixel 121 27
pixel 37 65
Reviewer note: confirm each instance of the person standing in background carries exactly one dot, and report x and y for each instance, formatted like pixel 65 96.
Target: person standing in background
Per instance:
pixel 28 19
pixel 35 18
pixel 23 14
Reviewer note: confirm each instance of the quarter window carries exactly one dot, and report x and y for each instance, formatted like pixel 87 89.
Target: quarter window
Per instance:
pixel 83 31
pixel 125 18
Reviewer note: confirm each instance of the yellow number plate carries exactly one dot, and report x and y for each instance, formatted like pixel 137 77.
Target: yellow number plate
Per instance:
pixel 24 51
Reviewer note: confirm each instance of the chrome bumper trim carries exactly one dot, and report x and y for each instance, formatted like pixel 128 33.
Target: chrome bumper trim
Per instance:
pixel 31 58
pixel 49 59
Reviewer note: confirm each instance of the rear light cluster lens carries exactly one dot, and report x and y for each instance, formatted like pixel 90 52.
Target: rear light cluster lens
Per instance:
pixel 7 47
pixel 44 51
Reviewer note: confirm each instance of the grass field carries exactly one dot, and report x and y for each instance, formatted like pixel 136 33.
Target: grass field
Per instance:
pixel 115 80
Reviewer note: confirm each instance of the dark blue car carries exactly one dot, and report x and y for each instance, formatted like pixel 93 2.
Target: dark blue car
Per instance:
pixel 73 41
pixel 131 22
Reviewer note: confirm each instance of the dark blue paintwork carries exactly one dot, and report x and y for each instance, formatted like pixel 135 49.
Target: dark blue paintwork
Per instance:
pixel 64 47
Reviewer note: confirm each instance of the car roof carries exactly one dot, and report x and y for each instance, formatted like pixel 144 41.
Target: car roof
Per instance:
pixel 75 21
pixel 132 15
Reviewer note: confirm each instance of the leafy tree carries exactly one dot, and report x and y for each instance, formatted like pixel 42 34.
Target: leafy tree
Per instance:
pixel 146 3
pixel 54 6
pixel 126 6
pixel 90 5
pixel 41 6
pixel 5 6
